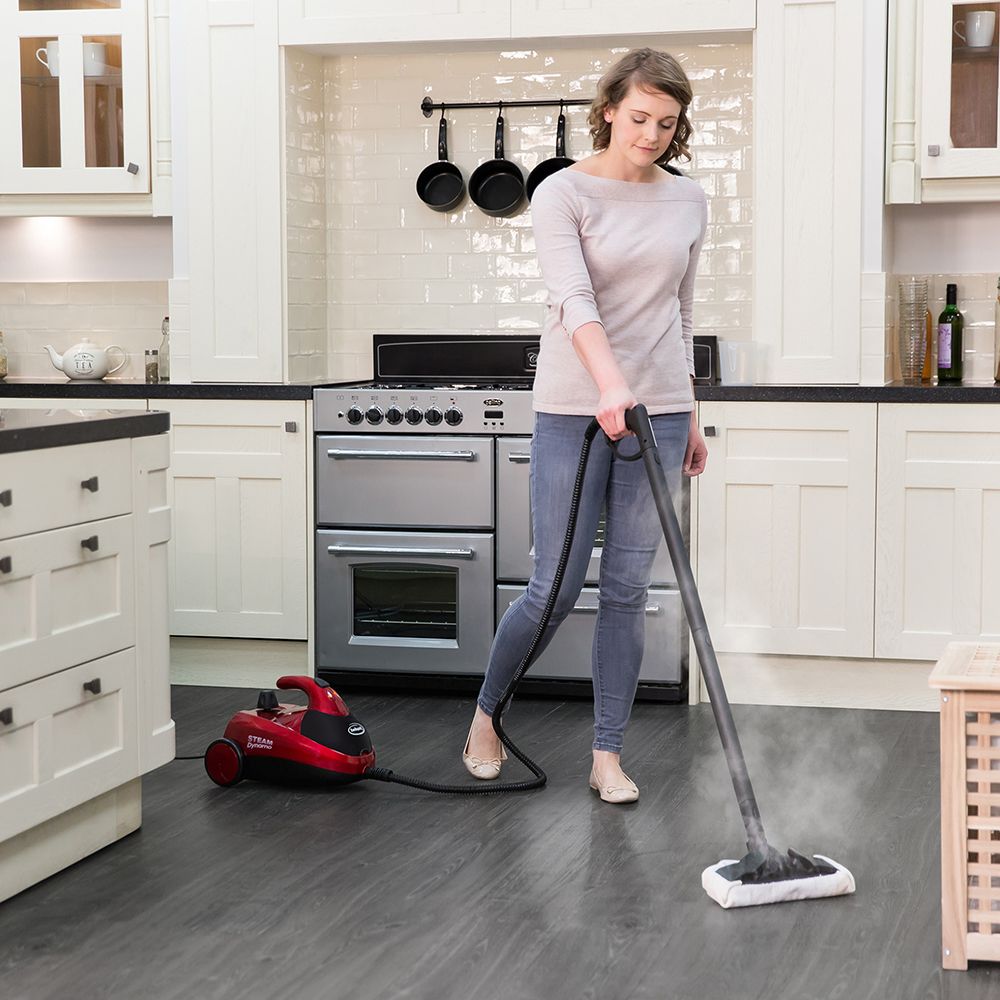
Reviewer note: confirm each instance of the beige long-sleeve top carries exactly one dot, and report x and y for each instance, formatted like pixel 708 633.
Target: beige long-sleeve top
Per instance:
pixel 624 255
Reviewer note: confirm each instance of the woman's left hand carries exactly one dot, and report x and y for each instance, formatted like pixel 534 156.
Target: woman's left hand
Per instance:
pixel 696 455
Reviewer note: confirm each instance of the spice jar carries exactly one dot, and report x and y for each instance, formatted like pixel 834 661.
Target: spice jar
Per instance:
pixel 152 366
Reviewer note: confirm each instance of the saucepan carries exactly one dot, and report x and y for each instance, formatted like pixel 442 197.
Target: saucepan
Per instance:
pixel 497 186
pixel 440 185
pixel 548 167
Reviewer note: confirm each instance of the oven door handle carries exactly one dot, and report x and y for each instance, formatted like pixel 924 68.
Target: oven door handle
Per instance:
pixel 519 456
pixel 388 550
pixel 651 609
pixel 447 456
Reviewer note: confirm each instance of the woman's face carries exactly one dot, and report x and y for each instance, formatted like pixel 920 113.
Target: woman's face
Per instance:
pixel 643 125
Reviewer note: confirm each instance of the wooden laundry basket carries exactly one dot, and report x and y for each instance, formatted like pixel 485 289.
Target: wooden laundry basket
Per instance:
pixel 968 675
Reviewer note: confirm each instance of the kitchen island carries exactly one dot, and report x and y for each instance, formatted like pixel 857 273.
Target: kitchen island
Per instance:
pixel 84 646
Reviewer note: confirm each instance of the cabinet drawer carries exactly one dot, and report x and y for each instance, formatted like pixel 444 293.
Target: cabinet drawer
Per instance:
pixel 62 603
pixel 64 743
pixel 53 487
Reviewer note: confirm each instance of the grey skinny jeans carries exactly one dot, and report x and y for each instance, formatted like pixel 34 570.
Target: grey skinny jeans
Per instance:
pixel 632 536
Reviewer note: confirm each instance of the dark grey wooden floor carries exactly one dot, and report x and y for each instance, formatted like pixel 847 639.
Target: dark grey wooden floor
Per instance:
pixel 379 891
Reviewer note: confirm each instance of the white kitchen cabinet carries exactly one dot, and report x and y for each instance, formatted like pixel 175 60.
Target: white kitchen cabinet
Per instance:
pixel 308 22
pixel 238 555
pixel 226 297
pixel 786 527
pixel 808 106
pixel 84 654
pixel 936 569
pixel 942 141
pixel 559 18
pixel 94 139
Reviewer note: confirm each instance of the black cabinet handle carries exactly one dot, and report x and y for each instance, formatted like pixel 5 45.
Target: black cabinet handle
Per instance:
pixel 710 431
pixel 6 498
pixel 90 543
pixel 94 686
pixel 90 484
pixel 6 716
pixel 6 566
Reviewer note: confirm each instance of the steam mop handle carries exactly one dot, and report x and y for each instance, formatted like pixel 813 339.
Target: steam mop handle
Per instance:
pixel 322 697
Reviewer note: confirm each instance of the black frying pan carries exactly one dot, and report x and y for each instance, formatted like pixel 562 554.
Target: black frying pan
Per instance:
pixel 497 186
pixel 548 167
pixel 440 185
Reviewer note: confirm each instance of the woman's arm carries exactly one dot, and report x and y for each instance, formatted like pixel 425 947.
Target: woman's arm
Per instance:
pixel 591 345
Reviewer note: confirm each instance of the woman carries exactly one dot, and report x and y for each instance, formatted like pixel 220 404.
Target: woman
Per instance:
pixel 618 240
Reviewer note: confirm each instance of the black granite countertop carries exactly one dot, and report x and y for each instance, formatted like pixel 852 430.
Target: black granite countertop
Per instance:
pixel 28 430
pixel 895 392
pixel 124 388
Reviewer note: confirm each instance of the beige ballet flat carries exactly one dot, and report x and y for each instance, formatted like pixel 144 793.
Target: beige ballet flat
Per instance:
pixel 486 770
pixel 616 794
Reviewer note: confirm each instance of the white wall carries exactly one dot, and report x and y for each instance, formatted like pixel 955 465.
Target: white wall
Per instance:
pixel 945 238
pixel 56 248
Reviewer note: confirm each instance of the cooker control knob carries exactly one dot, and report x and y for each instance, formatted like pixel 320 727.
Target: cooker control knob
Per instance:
pixel 394 415
pixel 453 416
pixel 433 416
pixel 374 415
pixel 414 415
pixel 354 415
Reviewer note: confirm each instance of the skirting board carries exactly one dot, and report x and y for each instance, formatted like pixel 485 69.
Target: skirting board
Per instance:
pixel 250 663
pixel 821 682
pixel 69 837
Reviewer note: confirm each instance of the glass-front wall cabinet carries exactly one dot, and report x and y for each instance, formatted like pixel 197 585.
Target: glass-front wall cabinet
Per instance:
pixel 73 97
pixel 960 90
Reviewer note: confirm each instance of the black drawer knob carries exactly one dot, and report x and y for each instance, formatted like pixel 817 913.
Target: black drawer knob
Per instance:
pixel 6 716
pixel 6 566
pixel 710 431
pixel 6 498
pixel 94 686
pixel 90 543
pixel 91 484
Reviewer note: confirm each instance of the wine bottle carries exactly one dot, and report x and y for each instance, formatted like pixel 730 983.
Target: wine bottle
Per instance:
pixel 950 340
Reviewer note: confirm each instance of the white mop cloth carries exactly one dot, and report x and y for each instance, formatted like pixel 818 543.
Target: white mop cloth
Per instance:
pixel 729 894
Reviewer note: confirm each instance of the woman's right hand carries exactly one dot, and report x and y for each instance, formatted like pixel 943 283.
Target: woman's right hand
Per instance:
pixel 611 407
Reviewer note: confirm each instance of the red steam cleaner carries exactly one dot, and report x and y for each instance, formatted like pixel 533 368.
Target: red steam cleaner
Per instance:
pixel 323 741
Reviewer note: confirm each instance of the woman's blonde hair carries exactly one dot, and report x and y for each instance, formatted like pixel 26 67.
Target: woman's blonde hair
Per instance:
pixel 648 70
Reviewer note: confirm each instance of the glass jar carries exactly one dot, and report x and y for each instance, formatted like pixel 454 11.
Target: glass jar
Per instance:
pixel 152 366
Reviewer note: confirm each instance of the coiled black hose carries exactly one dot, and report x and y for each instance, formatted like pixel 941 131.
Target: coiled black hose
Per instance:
pixel 496 787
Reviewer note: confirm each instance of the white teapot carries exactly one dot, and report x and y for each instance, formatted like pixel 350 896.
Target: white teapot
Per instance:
pixel 86 360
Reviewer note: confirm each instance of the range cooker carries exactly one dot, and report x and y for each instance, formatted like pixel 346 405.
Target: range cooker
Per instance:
pixel 423 524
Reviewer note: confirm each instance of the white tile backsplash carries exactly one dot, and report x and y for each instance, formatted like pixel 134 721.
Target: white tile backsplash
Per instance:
pixel 125 313
pixel 394 264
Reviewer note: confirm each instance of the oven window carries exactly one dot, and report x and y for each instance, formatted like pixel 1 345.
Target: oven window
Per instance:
pixel 403 600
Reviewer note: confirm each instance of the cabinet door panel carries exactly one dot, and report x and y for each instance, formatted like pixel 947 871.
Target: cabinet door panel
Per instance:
pixel 66 744
pixel 61 603
pixel 786 528
pixel 237 555
pixel 938 578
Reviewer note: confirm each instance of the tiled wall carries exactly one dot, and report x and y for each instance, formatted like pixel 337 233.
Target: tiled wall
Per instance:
pixel 305 196
pixel 126 313
pixel 395 265
pixel 977 294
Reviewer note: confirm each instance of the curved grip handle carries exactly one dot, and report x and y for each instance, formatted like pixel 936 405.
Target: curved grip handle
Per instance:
pixel 561 136
pixel 124 360
pixel 498 142
pixel 322 697
pixel 443 139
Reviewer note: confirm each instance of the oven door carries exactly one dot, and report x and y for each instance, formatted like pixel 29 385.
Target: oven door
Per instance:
pixel 515 547
pixel 568 655
pixel 404 601
pixel 382 481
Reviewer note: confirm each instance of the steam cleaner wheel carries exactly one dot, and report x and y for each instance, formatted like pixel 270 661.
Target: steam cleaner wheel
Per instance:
pixel 224 762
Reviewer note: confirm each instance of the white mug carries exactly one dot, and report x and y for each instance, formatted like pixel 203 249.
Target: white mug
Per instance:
pixel 51 60
pixel 95 56
pixel 979 25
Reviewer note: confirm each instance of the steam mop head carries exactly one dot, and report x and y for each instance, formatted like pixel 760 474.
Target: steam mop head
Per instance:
pixel 775 878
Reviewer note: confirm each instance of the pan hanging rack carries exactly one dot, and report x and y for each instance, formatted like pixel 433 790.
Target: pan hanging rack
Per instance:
pixel 429 107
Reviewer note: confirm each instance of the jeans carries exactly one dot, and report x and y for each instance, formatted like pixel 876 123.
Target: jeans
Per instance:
pixel 632 536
